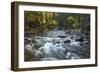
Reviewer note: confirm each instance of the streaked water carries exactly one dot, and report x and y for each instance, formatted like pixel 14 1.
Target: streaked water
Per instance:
pixel 53 47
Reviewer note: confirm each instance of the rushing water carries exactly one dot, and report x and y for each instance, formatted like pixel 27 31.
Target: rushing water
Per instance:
pixel 56 45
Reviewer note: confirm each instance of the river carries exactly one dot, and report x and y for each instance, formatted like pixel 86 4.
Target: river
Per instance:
pixel 56 45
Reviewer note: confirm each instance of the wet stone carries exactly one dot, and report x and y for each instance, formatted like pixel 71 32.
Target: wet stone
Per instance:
pixel 67 41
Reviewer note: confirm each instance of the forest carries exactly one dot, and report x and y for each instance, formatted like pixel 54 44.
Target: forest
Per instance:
pixel 56 35
pixel 40 22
